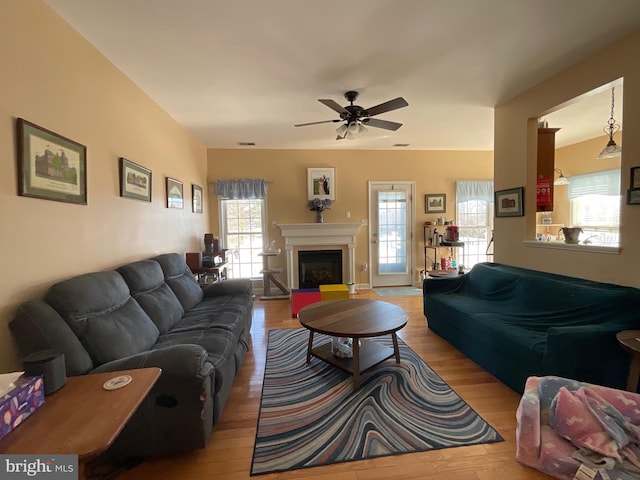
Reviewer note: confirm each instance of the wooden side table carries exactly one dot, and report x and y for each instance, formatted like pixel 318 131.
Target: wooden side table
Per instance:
pixel 82 418
pixel 630 341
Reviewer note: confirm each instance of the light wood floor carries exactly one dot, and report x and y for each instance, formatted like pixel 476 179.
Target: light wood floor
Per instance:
pixel 228 455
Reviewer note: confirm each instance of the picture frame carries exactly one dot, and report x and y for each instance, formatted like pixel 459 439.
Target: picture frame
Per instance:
pixel 321 183
pixel 633 196
pixel 435 203
pixel 175 193
pixel 509 203
pixel 50 166
pixel 196 198
pixel 135 180
pixel 634 178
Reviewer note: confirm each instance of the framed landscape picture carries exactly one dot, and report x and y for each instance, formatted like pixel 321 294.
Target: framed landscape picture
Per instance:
pixel 508 203
pixel 321 183
pixel 435 203
pixel 196 197
pixel 50 166
pixel 135 180
pixel 175 194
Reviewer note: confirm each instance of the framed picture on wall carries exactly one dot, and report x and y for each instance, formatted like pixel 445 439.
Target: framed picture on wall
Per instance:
pixel 175 195
pixel 633 196
pixel 635 178
pixel 50 166
pixel 196 197
pixel 435 203
pixel 321 183
pixel 135 180
pixel 508 203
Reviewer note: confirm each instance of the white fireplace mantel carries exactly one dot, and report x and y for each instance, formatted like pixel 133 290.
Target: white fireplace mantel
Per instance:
pixel 318 234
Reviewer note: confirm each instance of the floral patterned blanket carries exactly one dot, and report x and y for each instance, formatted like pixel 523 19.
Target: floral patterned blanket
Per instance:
pixel 575 430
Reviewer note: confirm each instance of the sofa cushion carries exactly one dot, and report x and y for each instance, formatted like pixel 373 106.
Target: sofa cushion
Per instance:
pixel 99 309
pixel 147 285
pixel 180 279
pixel 486 279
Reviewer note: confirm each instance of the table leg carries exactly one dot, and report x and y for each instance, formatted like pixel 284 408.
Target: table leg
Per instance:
pixel 310 346
pixel 634 373
pixel 356 363
pixel 396 350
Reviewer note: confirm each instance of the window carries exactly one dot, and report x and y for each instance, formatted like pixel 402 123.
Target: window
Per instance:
pixel 474 217
pixel 594 206
pixel 243 232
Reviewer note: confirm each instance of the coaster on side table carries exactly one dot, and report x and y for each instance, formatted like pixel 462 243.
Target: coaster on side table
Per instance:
pixel 117 382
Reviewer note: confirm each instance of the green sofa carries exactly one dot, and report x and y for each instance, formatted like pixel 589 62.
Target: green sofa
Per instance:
pixel 515 323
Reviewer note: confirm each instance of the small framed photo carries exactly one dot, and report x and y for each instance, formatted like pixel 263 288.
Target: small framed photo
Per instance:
pixel 633 196
pixel 435 203
pixel 175 194
pixel 508 203
pixel 135 181
pixel 321 183
pixel 196 197
pixel 635 178
pixel 50 166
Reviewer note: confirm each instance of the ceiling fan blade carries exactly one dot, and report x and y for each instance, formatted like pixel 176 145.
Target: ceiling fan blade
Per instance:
pixel 376 122
pixel 317 123
pixel 387 106
pixel 333 105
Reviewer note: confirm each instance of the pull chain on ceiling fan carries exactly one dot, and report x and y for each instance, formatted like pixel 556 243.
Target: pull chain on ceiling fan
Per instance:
pixel 357 118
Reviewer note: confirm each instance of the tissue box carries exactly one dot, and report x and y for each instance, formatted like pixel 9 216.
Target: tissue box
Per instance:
pixel 20 402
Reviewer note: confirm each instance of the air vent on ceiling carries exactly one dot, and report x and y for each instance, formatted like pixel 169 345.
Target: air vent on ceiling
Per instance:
pixel 247 144
pixel 401 144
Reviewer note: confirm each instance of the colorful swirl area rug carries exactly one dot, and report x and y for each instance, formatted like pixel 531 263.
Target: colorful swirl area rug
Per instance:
pixel 310 414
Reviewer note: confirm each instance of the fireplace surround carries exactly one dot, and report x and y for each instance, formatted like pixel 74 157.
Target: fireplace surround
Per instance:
pixel 319 236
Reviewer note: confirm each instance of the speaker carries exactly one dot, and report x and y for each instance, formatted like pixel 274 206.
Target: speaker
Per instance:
pixel 194 260
pixel 49 364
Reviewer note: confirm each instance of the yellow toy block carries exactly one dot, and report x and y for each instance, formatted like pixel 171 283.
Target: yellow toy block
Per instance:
pixel 334 291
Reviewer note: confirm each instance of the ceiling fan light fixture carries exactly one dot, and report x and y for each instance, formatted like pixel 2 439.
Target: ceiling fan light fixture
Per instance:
pixel 611 150
pixel 341 130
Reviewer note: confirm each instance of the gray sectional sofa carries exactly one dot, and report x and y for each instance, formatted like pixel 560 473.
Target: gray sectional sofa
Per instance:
pixel 150 313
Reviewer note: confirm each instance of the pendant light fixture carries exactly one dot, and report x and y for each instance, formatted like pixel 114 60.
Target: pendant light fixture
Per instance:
pixel 611 150
pixel 561 180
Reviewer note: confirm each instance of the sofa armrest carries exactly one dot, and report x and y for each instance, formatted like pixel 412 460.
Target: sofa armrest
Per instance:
pixel 590 353
pixel 229 287
pixel 181 361
pixel 177 414
pixel 442 284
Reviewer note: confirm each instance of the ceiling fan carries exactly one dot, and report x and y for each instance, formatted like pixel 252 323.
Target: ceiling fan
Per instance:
pixel 356 117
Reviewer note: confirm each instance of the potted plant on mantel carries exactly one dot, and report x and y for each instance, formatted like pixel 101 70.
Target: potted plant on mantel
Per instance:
pixel 319 205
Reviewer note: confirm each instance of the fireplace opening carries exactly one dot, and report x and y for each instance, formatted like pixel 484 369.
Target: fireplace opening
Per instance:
pixel 319 267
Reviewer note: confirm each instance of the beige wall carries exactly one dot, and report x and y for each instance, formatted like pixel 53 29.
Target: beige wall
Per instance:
pixel 52 77
pixel 515 164
pixel 433 172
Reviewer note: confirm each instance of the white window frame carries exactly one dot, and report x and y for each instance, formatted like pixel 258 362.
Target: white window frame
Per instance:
pixel 241 266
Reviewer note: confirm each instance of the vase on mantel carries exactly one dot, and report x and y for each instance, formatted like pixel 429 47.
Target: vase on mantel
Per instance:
pixel 319 217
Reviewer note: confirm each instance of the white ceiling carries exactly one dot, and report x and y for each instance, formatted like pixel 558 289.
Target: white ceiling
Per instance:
pixel 248 70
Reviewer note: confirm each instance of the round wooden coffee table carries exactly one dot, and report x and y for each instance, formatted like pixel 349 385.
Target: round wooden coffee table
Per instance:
pixel 356 319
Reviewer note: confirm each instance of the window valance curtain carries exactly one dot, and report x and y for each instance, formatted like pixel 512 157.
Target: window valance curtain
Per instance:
pixel 241 189
pixel 606 182
pixel 467 190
